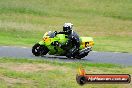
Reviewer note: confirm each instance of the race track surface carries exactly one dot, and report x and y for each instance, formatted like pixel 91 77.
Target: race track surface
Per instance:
pixel 101 57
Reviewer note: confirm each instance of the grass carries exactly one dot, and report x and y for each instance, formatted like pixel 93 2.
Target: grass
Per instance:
pixel 109 22
pixel 38 73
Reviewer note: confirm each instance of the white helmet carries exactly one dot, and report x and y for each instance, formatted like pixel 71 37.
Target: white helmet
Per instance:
pixel 67 27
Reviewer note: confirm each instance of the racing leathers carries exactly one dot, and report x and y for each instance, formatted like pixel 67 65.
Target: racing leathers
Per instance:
pixel 73 41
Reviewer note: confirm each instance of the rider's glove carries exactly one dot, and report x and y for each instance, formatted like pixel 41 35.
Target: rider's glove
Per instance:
pixel 55 32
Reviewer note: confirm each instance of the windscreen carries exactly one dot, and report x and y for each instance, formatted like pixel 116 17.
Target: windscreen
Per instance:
pixel 51 34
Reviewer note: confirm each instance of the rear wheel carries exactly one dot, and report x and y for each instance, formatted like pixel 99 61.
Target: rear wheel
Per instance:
pixel 68 56
pixel 39 50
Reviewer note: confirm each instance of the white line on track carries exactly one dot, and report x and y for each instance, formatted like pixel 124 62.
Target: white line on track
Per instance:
pixel 24 47
pixel 5 46
pixel 94 51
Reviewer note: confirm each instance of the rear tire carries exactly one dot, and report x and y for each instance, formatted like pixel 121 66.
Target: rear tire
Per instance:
pixel 68 56
pixel 39 50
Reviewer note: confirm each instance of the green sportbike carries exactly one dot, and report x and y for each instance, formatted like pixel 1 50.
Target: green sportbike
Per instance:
pixel 45 46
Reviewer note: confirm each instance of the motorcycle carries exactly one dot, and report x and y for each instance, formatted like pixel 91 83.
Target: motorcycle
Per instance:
pixel 45 46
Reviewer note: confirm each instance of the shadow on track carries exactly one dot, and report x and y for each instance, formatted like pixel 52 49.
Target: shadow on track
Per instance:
pixel 62 58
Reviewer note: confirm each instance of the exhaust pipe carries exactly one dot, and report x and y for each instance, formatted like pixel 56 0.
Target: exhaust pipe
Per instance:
pixel 84 52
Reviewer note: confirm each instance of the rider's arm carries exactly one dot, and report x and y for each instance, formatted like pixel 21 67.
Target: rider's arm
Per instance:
pixel 62 32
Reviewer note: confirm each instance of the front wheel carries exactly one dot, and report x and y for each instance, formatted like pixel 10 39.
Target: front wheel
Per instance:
pixel 39 50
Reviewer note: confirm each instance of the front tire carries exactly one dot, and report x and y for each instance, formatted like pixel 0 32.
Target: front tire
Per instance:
pixel 39 50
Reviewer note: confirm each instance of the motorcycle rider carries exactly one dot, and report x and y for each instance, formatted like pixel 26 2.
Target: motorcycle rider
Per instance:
pixel 73 39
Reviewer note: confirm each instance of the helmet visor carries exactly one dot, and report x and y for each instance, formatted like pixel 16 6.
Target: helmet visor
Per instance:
pixel 66 29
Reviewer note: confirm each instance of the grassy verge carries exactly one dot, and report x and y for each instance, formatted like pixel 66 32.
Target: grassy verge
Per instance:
pixel 38 73
pixel 108 22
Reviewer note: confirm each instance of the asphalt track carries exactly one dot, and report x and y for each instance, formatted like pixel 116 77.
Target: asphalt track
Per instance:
pixel 96 57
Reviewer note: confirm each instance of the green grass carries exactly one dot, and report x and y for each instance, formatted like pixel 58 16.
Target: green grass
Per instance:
pixel 44 78
pixel 42 73
pixel 109 22
pixel 55 62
